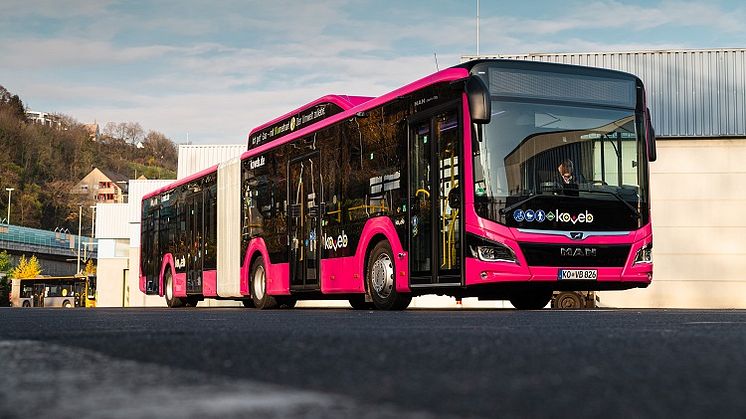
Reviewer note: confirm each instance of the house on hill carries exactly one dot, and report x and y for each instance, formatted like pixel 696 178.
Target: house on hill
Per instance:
pixel 102 187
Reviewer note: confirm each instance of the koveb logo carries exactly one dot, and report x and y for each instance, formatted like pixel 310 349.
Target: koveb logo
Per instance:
pixel 331 244
pixel 540 216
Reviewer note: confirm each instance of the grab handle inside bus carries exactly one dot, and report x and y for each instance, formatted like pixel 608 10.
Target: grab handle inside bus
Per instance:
pixel 478 95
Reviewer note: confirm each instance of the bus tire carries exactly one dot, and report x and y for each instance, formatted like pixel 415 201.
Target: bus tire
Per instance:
pixel 26 304
pixel 258 277
pixel 358 303
pixel 567 300
pixel 380 278
pixel 248 303
pixel 66 304
pixel 171 301
pixel 533 299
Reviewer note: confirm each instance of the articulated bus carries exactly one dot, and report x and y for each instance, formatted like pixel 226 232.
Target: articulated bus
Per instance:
pixel 54 291
pixel 497 179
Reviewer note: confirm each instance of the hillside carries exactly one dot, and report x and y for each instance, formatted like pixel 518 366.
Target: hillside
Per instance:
pixel 43 163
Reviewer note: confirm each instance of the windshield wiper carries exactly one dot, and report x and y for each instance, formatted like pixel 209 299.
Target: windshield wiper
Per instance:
pixel 634 210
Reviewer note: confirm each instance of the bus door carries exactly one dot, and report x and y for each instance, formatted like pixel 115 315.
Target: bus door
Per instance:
pixel 435 200
pixel 197 243
pixel 39 290
pixel 304 195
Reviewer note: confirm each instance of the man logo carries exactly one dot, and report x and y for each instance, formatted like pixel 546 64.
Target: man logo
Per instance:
pixel 578 251
pixel 577 235
pixel 519 215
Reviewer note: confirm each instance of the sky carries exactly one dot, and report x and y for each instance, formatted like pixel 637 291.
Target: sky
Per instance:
pixel 207 72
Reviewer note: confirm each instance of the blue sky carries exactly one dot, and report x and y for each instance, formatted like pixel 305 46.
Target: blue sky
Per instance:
pixel 216 69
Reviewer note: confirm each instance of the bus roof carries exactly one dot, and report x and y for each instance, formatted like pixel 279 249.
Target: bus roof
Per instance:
pixel 343 102
pixel 445 75
pixel 54 278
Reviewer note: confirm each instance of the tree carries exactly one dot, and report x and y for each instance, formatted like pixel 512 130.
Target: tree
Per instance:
pixel 130 132
pixel 26 268
pixel 162 150
pixel 90 268
pixel 13 102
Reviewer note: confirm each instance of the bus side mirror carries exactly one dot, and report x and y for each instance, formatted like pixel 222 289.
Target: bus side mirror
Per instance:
pixel 478 96
pixel 650 137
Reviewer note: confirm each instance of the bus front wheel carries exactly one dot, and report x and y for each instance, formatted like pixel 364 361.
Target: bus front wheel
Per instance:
pixel 171 301
pixel 380 278
pixel 534 299
pixel 262 300
pixel 26 304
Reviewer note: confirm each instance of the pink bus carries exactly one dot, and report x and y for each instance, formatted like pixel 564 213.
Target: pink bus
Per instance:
pixel 496 179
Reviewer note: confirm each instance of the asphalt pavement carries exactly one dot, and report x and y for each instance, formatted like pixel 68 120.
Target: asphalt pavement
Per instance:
pixel 236 362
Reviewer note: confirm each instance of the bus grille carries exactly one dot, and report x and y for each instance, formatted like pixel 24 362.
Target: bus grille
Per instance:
pixel 575 255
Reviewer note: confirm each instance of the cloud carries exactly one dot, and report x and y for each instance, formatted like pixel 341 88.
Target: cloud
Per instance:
pixel 218 70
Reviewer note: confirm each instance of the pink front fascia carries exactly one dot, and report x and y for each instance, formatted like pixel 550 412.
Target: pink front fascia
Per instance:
pixel 479 272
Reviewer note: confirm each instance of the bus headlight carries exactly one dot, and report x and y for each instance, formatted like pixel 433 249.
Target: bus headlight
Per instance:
pixel 493 253
pixel 645 254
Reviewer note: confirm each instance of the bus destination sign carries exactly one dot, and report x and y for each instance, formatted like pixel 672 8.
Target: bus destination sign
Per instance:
pixel 295 122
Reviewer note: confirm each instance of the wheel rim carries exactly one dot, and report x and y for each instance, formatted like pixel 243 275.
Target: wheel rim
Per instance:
pixel 568 302
pixel 259 282
pixel 169 288
pixel 382 275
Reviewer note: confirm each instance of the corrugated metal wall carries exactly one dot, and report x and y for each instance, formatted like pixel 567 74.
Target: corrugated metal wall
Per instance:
pixel 111 221
pixel 193 158
pixel 691 93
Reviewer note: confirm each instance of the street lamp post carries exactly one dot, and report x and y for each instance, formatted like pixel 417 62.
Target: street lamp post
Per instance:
pixel 9 191
pixel 80 225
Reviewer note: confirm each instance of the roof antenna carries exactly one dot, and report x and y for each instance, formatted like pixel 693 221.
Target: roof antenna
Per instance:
pixel 477 27
pixel 435 54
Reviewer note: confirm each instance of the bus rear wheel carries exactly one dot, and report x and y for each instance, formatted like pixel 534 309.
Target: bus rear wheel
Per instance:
pixel 380 279
pixel 258 275
pixel 534 299
pixel 26 304
pixel 67 304
pixel 171 301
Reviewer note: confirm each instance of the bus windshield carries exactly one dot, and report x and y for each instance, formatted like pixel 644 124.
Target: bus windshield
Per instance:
pixel 538 160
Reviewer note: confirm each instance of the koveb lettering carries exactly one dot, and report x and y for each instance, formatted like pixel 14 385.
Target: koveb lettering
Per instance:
pixel 331 244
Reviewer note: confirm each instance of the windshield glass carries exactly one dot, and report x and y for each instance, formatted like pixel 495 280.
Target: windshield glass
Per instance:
pixel 553 166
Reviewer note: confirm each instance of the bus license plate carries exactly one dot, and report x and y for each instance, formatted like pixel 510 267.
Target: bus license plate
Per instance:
pixel 582 274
